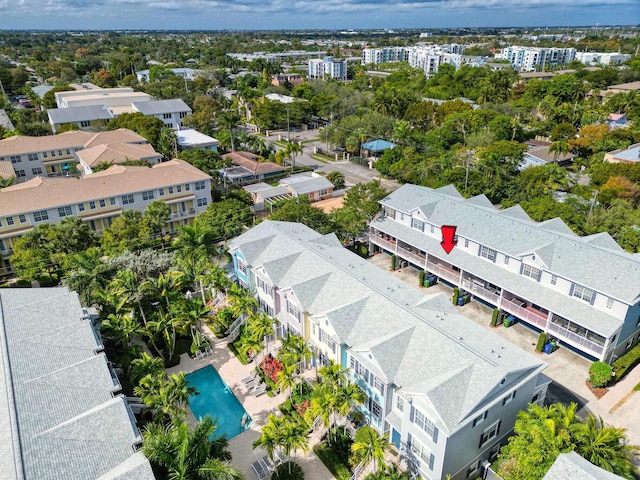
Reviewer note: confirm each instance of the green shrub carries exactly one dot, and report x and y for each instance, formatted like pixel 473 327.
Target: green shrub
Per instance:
pixel 626 362
pixel 421 278
pixel 340 444
pixel 393 261
pixel 600 374
pixel 288 471
pixel 542 340
pixel 363 251
pixel 337 468
pixel 456 294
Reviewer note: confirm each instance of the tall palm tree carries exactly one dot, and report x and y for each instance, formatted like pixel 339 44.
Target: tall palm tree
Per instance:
pixel 333 374
pixel 286 378
pixel 126 286
pixel 559 148
pixel 372 447
pixel 241 301
pixel 145 365
pixel 166 285
pixel 166 326
pixel 347 397
pixel 323 404
pixel 188 455
pixel 229 120
pixel 196 237
pixel 293 437
pixel 168 395
pixel 261 325
pixel 193 313
pixel 292 150
pixel 270 435
pixel 294 349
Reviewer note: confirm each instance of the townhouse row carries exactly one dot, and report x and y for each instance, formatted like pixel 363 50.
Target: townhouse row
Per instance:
pixel 444 388
pixel 101 197
pixel 584 291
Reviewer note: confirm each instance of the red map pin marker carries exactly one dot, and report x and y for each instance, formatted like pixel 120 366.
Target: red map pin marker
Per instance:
pixel 448 234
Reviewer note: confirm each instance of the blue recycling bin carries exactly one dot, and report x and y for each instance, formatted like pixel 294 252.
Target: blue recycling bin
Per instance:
pixel 510 320
pixel 548 348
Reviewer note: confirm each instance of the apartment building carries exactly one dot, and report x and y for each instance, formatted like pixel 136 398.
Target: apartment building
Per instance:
pixel 429 59
pixel 171 112
pixel 584 291
pixel 601 58
pixel 528 59
pixel 384 55
pixel 444 388
pixel 327 67
pixel 54 155
pixel 63 411
pixel 101 197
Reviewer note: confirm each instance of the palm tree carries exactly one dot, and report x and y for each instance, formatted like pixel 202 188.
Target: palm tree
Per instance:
pixel 261 326
pixel 167 326
pixel 126 287
pixel 293 437
pixel 294 349
pixel 559 148
pixel 196 237
pixel 229 120
pixel 241 301
pixel 188 455
pixel 145 365
pixel 168 395
pixel 121 328
pixel 372 447
pixel 292 150
pixel 333 374
pixel 286 378
pixel 165 286
pixel 193 313
pixel 605 447
pixel 347 397
pixel 270 436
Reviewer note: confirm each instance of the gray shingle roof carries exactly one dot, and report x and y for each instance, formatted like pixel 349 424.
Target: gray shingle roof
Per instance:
pixel 158 107
pixel 63 420
pixel 374 313
pixel 571 466
pixel 510 231
pixel 87 113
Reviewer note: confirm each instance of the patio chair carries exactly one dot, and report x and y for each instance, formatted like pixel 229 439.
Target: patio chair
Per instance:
pixel 250 378
pixel 252 384
pixel 259 469
pixel 259 390
pixel 266 461
pixel 208 351
pixel 199 355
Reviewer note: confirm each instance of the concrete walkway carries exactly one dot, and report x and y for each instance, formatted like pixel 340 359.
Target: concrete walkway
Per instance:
pixel 259 408
pixel 619 407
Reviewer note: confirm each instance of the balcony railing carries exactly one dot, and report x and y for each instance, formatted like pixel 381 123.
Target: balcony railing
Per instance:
pixel 444 272
pixel 529 316
pixel 574 338
pixel 182 214
pixel 418 260
pixel 386 244
pixel 480 291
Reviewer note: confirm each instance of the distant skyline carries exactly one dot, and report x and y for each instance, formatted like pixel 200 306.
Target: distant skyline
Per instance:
pixel 309 14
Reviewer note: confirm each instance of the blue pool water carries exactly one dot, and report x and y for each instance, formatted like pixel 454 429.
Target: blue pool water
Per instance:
pixel 217 400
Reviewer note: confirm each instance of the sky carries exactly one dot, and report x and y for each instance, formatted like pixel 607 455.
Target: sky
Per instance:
pixel 309 14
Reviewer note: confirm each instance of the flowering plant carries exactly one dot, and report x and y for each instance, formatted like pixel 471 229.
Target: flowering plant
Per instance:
pixel 271 366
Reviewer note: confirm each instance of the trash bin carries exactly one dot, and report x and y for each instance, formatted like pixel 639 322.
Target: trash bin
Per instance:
pixel 461 300
pixel 510 320
pixel 548 348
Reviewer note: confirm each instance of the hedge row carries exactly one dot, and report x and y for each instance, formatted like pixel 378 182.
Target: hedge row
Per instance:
pixel 626 362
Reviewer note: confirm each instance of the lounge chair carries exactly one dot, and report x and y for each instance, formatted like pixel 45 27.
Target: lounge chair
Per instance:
pixel 208 351
pixel 260 470
pixel 266 461
pixel 259 390
pixel 199 355
pixel 252 384
pixel 250 378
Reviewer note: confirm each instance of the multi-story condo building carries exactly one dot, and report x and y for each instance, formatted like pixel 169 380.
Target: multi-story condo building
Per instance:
pixel 384 55
pixel 63 411
pixel 171 112
pixel 328 68
pixel 584 291
pixel 446 389
pixel 101 197
pixel 53 155
pixel 596 58
pixel 528 59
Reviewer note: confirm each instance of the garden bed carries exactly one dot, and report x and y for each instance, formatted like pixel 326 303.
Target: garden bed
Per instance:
pixel 332 461
pixel 598 392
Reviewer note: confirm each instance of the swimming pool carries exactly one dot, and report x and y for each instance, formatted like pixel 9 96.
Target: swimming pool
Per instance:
pixel 217 400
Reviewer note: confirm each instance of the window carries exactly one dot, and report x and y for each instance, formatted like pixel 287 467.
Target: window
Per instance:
pixel 64 211
pixel 59 153
pixel 466 243
pixel 127 199
pixel 166 116
pixel 10 221
pixel 362 371
pixel 200 185
pixel 424 423
pixel 85 123
pixel 201 202
pixel 161 192
pixel 20 174
pixel 81 207
pixel 421 452
pixel 112 201
pixel 41 216
pixel 242 267
pixel 102 202
pixel 183 114
pixel 488 253
pixel 68 151
pixel 148 195
pixel 187 187
pixel 417 224
pixel 293 311
pixel 480 418
pixel 531 272
pixel 170 190
pixel 15 159
pixel 583 293
pixel 506 259
pixel 400 403
pixel 178 188
pixel 37 171
pixel 33 157
pixel 609 302
pixel 378 385
pixel 490 433
pixel 22 218
pixel 554 279
pixel 508 398
pixel 92 205
pixel 53 153
pixel 376 409
pixel 45 155
pixel 473 468
pixel 433 229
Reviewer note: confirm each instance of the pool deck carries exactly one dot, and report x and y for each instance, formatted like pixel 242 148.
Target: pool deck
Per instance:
pixel 241 446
